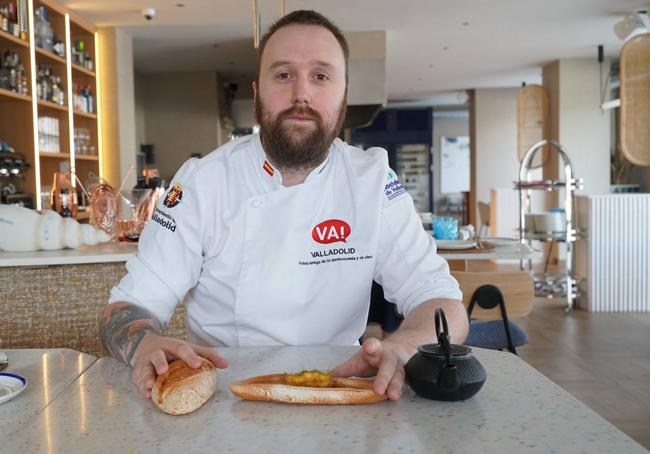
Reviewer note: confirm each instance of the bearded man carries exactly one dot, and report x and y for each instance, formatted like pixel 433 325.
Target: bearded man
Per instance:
pixel 276 238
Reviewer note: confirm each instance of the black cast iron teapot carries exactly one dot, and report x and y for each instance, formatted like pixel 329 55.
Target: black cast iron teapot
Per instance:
pixel 444 371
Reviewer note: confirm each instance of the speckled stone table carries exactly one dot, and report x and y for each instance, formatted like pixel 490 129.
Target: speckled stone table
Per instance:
pixel 49 373
pixel 518 410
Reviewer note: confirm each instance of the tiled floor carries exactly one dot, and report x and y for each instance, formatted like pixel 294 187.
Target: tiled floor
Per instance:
pixel 602 359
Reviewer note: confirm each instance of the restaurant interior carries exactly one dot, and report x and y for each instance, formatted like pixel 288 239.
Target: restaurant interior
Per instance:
pixel 520 129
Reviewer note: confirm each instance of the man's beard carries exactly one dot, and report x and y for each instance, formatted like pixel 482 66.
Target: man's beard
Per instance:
pixel 290 148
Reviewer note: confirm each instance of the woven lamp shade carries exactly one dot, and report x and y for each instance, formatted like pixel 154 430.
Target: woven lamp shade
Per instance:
pixel 635 100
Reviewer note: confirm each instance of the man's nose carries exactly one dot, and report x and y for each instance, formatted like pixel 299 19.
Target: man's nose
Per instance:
pixel 301 92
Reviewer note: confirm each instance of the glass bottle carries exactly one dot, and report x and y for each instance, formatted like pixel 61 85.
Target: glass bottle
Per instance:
pixel 65 212
pixel 60 182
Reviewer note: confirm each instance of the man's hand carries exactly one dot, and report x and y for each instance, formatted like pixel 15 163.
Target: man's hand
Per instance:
pixel 385 359
pixel 153 354
pixel 130 334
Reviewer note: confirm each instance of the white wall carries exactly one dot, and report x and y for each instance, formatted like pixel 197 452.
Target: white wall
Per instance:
pixel 584 129
pixel 497 165
pixel 243 114
pixel 118 105
pixel 140 123
pixel 181 117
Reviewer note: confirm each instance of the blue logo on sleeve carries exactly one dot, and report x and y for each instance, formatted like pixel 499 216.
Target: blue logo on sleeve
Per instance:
pixel 393 186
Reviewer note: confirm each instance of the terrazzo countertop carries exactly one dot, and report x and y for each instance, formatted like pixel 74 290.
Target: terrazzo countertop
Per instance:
pixel 49 373
pixel 100 253
pixel 518 410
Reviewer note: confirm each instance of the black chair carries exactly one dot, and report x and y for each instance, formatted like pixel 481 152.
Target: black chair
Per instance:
pixel 493 334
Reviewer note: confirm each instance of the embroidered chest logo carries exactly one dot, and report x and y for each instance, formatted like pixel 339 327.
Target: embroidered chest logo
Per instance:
pixel 331 231
pixel 174 196
pixel 268 168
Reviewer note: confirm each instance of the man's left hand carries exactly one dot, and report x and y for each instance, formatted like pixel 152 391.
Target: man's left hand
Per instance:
pixel 385 359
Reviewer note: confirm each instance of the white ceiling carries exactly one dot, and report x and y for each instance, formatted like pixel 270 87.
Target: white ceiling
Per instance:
pixel 433 46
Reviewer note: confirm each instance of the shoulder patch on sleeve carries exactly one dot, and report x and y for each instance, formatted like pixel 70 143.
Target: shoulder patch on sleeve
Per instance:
pixel 174 196
pixel 393 187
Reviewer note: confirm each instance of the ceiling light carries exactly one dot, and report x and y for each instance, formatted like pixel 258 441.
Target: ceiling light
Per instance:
pixel 632 25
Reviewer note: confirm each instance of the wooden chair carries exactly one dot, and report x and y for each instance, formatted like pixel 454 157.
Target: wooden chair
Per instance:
pixel 484 217
pixel 517 288
pixel 491 297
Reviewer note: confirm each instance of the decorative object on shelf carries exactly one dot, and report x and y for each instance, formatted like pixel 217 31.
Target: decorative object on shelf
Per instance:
pixel 532 121
pixel 635 100
pixel 552 227
pixel 22 229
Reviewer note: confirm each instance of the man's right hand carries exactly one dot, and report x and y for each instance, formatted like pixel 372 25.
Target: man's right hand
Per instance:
pixel 151 358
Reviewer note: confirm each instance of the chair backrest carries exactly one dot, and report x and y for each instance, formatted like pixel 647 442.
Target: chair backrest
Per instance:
pixel 484 213
pixel 516 286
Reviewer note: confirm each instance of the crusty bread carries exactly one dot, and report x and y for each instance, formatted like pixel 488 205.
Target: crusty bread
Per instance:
pixel 183 389
pixel 273 388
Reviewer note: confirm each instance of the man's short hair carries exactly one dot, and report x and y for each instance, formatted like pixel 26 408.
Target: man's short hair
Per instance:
pixel 305 17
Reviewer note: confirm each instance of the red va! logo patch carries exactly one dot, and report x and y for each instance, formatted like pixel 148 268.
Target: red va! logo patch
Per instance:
pixel 331 231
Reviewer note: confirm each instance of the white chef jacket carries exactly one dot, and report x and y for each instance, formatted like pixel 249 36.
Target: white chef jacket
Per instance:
pixel 266 264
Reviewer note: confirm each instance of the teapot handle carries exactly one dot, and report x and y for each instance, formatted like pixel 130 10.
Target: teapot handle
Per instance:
pixel 442 332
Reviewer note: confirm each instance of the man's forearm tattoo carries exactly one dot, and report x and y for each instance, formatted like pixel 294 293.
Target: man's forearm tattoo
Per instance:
pixel 122 328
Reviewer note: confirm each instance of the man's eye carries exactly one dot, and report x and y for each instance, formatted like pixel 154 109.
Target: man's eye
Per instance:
pixel 322 77
pixel 283 76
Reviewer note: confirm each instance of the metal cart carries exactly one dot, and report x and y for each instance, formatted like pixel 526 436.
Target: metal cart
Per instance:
pixel 559 284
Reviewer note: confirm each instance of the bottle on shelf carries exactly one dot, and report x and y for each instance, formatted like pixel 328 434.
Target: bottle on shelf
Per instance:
pixel 63 197
pixel 12 73
pixel 43 33
pixel 49 86
pixel 65 212
pixel 9 19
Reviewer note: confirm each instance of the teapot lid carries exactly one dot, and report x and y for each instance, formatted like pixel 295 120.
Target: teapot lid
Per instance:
pixel 435 350
pixel 444 348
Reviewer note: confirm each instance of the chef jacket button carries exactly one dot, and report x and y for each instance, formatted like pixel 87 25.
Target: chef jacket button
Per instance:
pixel 256 203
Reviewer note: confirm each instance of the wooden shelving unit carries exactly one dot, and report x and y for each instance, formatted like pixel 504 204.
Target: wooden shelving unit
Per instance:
pixel 51 105
pixel 52 57
pixel 92 116
pixel 46 154
pixel 4 36
pixel 19 113
pixel 11 94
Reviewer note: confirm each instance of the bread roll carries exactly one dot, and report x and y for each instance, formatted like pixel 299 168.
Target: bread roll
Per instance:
pixel 183 389
pixel 274 388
